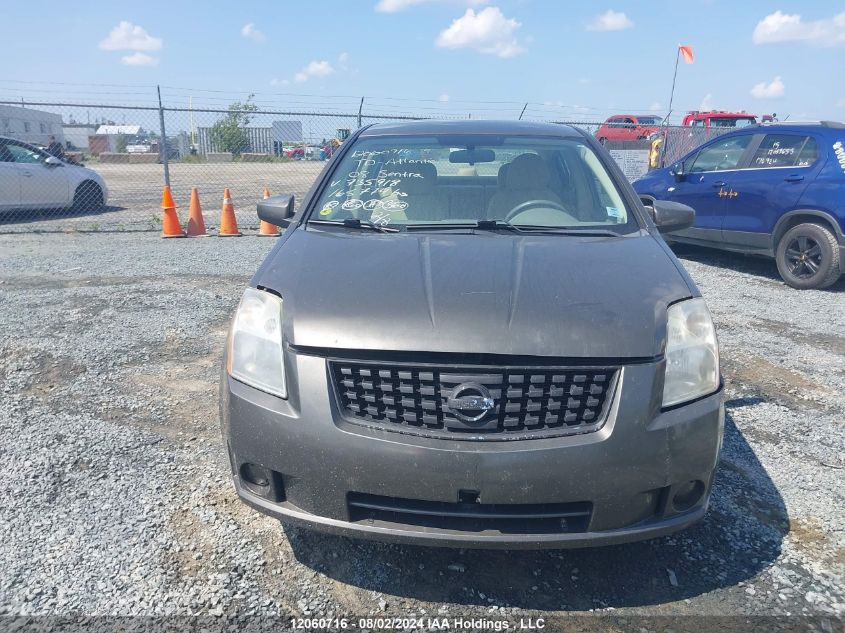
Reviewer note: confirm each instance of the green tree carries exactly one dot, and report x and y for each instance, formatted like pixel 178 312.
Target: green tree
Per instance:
pixel 229 133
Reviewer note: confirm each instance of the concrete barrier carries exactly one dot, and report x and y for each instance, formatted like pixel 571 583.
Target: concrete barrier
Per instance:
pixel 146 159
pixel 219 157
pixel 114 157
pixel 254 157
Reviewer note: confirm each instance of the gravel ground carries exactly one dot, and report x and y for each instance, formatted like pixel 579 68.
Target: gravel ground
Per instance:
pixel 115 497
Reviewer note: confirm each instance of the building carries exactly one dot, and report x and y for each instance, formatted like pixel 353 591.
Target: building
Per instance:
pixel 259 141
pixel 77 135
pixel 29 125
pixel 117 138
pixel 262 140
pixel 126 130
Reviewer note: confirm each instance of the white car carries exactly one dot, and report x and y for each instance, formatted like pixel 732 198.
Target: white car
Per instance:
pixel 33 179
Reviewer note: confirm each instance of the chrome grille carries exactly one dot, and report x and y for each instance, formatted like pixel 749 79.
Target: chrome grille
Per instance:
pixel 527 401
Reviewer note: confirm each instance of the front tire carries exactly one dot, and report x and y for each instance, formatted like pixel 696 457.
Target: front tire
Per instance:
pixel 88 197
pixel 807 257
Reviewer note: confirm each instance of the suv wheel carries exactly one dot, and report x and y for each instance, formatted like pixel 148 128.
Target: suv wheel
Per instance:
pixel 88 197
pixel 808 257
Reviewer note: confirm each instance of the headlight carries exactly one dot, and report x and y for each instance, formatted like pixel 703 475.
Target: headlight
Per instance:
pixel 692 353
pixel 255 345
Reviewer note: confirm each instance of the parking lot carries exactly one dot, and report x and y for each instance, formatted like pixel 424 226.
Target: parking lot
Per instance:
pixel 116 498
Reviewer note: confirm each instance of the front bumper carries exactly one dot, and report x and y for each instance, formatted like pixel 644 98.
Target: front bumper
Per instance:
pixel 628 473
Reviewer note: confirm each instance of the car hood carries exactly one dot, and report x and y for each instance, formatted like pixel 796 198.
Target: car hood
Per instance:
pixel 485 293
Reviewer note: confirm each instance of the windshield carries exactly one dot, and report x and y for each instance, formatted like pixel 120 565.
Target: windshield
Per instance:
pixel 732 121
pixel 525 181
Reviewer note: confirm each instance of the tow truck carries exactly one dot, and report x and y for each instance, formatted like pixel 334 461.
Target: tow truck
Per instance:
pixel 722 119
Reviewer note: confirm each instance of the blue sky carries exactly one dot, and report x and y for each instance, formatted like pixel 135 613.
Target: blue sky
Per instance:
pixel 453 56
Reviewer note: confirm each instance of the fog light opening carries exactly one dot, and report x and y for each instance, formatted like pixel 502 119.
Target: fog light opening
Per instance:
pixel 469 496
pixel 687 495
pixel 255 475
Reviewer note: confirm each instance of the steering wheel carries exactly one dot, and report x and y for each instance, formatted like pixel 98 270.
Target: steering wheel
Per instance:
pixel 531 204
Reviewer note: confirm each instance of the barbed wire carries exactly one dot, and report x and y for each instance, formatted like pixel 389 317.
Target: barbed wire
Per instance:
pixel 268 99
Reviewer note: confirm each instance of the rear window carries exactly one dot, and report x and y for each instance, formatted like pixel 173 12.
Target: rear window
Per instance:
pixel 785 150
pixel 399 181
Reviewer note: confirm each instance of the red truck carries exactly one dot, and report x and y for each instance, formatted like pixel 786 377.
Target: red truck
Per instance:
pixel 722 119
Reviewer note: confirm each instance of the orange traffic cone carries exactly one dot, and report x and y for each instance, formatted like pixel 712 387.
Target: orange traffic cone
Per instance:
pixel 228 222
pixel 196 223
pixel 170 226
pixel 265 229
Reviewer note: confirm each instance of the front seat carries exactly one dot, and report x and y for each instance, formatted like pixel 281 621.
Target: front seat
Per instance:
pixel 425 201
pixel 526 178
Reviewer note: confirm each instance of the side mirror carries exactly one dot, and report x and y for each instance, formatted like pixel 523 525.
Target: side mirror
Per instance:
pixel 52 161
pixel 277 210
pixel 677 170
pixel 671 216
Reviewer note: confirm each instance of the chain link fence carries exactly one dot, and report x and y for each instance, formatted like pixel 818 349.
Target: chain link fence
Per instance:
pixel 84 167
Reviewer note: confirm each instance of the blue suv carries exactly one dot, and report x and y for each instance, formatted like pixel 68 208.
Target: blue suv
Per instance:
pixel 771 189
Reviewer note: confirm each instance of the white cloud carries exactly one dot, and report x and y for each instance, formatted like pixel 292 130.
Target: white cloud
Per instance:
pixel 139 59
pixel 444 98
pixel 313 69
pixel 841 103
pixel 279 82
pixel 343 61
pixel 251 33
pixel 394 6
pixel 127 36
pixel 771 90
pixel 706 103
pixel 655 107
pixel 610 21
pixel 783 27
pixel 487 31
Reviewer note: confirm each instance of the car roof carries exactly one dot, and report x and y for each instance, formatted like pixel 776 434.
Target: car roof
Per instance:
pixel 803 125
pixel 17 140
pixel 715 114
pixel 468 126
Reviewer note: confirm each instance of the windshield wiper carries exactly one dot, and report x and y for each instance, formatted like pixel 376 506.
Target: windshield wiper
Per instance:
pixel 504 225
pixel 355 223
pixel 445 226
pixel 483 225
pixel 566 230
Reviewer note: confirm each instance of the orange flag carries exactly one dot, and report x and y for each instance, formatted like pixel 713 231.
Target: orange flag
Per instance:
pixel 686 51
